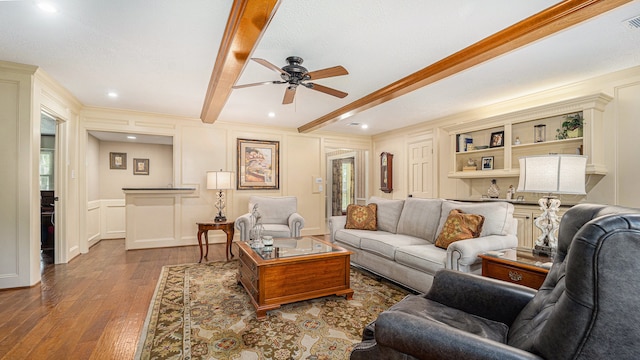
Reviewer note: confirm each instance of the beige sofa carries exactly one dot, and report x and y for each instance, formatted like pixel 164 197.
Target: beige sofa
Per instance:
pixel 403 250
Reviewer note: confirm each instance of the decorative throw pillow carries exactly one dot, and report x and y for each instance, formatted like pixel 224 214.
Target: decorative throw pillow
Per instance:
pixel 362 217
pixel 459 226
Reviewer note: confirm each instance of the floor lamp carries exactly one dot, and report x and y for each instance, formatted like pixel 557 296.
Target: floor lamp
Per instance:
pixel 552 174
pixel 220 180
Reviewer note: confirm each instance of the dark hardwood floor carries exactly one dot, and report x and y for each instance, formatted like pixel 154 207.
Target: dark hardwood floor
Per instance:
pixel 91 308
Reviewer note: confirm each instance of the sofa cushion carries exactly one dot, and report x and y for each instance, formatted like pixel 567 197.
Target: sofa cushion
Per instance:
pixel 459 226
pixel 353 237
pixel 385 244
pixel 420 218
pixel 388 213
pixel 425 257
pixel 274 210
pixel 498 215
pixel 362 217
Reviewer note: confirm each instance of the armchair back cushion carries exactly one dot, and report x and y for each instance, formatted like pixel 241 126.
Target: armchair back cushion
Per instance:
pixel 592 286
pixel 274 210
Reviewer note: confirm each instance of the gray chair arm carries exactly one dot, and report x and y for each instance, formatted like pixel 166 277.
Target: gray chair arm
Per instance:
pixel 481 296
pixel 425 339
pixel 243 225
pixel 296 223
pixel 462 254
pixel 336 223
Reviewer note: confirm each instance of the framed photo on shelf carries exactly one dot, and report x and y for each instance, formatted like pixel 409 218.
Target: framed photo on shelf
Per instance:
pixel 540 133
pixel 258 165
pixel 118 161
pixel 487 163
pixel 497 139
pixel 386 172
pixel 140 166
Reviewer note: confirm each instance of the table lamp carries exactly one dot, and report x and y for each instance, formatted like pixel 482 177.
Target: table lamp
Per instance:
pixel 551 174
pixel 220 180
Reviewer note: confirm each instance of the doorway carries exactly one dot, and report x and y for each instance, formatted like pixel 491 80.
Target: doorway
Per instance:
pixel 47 187
pixel 346 179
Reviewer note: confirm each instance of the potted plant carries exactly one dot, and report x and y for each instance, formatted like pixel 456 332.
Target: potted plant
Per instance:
pixel 571 127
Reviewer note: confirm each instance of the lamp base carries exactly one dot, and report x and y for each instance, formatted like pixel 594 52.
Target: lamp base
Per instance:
pixel 543 250
pixel 220 218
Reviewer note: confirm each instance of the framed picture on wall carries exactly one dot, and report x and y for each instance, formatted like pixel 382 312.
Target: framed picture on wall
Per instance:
pixel 118 161
pixel 258 164
pixel 140 166
pixel 386 172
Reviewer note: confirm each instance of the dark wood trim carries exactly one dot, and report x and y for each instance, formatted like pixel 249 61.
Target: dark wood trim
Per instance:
pixel 547 22
pixel 248 20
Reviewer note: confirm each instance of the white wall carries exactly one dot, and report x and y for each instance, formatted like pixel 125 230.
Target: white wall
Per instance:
pixel 113 180
pixel 93 168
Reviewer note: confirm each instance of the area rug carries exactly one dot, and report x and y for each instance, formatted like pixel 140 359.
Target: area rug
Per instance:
pixel 199 311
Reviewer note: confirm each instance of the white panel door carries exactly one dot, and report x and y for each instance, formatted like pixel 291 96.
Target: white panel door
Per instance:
pixel 421 171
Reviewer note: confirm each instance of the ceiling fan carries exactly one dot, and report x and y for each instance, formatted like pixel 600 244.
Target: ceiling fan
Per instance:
pixel 295 74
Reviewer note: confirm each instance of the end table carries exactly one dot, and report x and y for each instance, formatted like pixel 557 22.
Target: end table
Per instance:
pixel 204 227
pixel 516 266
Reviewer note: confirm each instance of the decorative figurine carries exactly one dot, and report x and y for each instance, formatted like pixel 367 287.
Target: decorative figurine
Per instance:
pixel 494 190
pixel 511 193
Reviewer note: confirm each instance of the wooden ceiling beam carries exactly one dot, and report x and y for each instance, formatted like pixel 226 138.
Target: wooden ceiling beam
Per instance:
pixel 547 22
pixel 248 20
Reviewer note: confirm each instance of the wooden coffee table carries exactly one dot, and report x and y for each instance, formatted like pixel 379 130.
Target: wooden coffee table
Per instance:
pixel 293 270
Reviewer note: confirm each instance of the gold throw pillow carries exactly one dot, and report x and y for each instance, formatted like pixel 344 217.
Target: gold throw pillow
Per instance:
pixel 362 217
pixel 459 226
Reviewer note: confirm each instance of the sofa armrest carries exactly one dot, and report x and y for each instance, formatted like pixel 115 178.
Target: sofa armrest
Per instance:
pixel 462 254
pixel 425 339
pixel 243 225
pixel 336 223
pixel 481 296
pixel 296 223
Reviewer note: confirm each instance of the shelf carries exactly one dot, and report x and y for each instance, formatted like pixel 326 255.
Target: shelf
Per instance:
pixel 484 174
pixel 479 151
pixel 551 142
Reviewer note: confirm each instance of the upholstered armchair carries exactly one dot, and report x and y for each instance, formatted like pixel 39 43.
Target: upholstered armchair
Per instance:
pixel 587 308
pixel 279 217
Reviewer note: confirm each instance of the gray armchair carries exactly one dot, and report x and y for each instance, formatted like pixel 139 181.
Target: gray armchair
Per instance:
pixel 587 308
pixel 278 215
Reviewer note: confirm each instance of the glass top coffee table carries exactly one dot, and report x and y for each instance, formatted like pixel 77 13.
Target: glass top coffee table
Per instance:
pixel 291 270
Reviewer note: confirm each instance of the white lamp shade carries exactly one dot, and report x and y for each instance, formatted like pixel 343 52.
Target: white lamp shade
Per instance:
pixel 555 174
pixel 219 180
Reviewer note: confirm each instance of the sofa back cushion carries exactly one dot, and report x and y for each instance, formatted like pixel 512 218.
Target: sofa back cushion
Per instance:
pixel 420 218
pixel 274 210
pixel 388 213
pixel 498 215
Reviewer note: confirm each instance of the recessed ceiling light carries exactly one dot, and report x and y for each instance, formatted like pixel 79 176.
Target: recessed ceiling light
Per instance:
pixel 112 94
pixel 47 7
pixel 364 126
pixel 271 114
pixel 131 137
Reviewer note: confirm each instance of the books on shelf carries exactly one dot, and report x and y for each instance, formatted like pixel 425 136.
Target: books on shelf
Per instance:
pixel 463 141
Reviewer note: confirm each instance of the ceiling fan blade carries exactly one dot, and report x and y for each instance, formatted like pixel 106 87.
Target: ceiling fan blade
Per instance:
pixel 326 90
pixel 265 63
pixel 289 94
pixel 328 72
pixel 258 83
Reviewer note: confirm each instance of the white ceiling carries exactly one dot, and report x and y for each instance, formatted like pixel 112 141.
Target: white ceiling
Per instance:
pixel 159 55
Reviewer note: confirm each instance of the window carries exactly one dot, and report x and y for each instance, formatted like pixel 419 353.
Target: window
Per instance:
pixel 46 169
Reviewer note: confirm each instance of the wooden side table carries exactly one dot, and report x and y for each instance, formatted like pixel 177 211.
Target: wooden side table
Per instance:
pixel 204 227
pixel 516 266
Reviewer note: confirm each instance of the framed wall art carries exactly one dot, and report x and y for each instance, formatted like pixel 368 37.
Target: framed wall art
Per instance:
pixel 386 172
pixel 487 163
pixel 140 166
pixel 118 161
pixel 258 165
pixel 497 139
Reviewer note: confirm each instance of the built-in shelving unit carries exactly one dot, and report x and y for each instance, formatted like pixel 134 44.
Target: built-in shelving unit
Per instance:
pixel 520 138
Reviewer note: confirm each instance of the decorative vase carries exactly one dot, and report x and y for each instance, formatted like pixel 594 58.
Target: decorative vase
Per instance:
pixel 494 190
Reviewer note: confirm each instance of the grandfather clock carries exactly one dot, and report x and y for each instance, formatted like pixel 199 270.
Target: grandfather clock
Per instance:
pixel 386 172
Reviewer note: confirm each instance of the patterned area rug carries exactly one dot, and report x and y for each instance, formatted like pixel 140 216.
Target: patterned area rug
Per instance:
pixel 199 311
